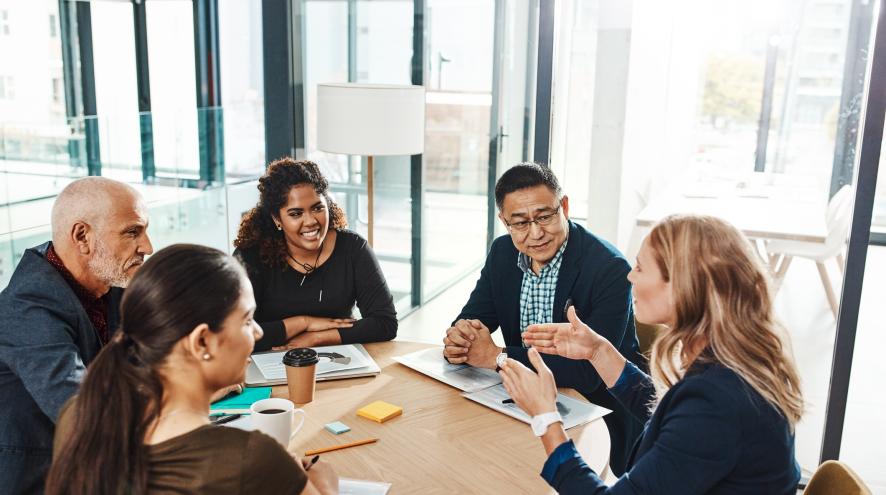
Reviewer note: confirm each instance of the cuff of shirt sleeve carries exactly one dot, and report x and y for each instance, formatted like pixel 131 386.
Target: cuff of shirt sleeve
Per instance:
pixel 630 375
pixel 274 335
pixel 563 453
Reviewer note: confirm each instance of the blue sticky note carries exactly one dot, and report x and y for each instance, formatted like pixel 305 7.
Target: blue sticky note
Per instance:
pixel 337 427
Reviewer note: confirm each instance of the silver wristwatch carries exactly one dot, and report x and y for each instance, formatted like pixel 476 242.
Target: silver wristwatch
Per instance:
pixel 500 361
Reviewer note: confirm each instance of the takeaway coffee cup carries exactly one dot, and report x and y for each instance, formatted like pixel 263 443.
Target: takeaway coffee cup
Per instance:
pixel 301 370
pixel 276 418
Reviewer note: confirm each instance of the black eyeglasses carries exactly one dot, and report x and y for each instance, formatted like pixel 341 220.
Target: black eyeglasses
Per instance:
pixel 542 221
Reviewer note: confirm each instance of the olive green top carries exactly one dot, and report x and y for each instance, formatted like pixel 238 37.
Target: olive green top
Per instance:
pixel 214 459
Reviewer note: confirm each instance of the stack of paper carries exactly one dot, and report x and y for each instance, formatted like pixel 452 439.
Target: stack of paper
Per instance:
pixel 336 361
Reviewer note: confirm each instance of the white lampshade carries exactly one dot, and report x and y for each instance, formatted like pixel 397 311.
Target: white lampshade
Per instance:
pixel 370 119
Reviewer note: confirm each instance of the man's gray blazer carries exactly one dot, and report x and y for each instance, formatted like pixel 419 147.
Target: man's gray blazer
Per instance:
pixel 46 341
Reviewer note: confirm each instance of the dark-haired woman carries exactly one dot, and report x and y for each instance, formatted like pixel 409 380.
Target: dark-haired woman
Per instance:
pixel 306 269
pixel 140 422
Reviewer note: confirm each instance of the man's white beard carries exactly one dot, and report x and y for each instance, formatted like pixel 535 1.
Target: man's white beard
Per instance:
pixel 107 268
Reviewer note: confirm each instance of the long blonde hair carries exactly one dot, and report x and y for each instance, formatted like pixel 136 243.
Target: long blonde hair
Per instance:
pixel 722 303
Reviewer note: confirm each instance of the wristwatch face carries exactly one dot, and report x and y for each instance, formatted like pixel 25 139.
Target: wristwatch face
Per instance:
pixel 500 361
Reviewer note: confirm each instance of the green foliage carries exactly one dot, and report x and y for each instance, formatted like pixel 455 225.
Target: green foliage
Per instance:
pixel 733 88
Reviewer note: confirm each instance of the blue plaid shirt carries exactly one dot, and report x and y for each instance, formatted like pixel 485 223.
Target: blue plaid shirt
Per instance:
pixel 537 291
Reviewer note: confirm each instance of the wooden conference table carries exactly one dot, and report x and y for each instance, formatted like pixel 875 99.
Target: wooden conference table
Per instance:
pixel 443 443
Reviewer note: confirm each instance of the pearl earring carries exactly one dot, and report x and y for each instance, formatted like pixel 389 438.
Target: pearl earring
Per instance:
pixel 206 357
pixel 279 227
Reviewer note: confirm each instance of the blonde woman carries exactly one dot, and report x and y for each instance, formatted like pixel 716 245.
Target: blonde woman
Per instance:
pixel 723 397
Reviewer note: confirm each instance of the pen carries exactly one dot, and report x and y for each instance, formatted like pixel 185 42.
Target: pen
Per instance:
pixel 313 461
pixel 343 446
pixel 225 419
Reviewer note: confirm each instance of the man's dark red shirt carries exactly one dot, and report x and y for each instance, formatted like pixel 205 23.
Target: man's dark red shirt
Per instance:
pixel 96 307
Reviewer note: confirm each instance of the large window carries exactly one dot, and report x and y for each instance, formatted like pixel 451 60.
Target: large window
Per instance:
pixel 240 45
pixel 170 26
pixel 459 106
pixel 740 109
pixel 113 45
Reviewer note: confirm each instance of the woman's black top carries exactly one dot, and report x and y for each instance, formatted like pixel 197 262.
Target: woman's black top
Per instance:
pixel 350 275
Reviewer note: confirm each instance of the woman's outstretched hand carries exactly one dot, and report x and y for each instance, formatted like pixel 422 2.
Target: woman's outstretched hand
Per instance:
pixel 535 393
pixel 573 340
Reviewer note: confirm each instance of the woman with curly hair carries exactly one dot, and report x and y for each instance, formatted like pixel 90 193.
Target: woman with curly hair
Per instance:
pixel 307 270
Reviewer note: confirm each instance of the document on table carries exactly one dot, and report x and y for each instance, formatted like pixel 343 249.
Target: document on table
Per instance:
pixel 348 486
pixel 573 411
pixel 333 358
pixel 461 376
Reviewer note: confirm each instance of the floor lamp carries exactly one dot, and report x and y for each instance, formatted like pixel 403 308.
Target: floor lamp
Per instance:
pixel 370 120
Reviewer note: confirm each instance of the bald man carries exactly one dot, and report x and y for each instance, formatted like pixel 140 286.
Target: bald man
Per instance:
pixel 60 307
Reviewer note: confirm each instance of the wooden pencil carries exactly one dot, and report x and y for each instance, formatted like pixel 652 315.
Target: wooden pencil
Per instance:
pixel 339 447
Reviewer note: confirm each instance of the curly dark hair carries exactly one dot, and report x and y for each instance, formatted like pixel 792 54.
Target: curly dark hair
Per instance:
pixel 257 227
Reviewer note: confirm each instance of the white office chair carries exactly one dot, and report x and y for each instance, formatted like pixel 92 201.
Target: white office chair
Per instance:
pixel 839 217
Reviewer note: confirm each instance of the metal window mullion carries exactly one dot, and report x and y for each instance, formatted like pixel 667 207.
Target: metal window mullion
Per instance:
pixel 143 82
pixel 209 116
pixel 859 237
pixel 87 85
pixel 544 82
pixel 416 176
pixel 495 124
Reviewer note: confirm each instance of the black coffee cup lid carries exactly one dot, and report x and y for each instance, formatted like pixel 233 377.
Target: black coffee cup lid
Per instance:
pixel 302 356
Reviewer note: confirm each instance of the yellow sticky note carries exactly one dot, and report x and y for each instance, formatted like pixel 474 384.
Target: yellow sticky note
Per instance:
pixel 380 411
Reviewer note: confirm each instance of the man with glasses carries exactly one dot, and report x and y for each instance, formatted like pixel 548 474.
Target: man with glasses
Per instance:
pixel 532 276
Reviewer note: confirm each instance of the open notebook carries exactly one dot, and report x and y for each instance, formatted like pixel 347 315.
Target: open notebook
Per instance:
pixel 336 362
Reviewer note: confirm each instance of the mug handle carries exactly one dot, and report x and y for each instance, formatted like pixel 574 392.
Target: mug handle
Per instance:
pixel 296 429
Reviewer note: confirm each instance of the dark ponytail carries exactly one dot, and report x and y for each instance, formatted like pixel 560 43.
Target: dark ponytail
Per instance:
pixel 177 289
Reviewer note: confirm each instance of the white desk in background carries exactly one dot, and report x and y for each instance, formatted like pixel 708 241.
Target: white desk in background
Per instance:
pixel 767 207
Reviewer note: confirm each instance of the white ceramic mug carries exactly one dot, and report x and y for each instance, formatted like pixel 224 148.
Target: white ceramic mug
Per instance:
pixel 279 426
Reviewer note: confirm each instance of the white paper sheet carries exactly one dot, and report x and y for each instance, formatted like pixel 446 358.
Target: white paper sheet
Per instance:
pixel 332 358
pixel 574 411
pixel 348 486
pixel 461 376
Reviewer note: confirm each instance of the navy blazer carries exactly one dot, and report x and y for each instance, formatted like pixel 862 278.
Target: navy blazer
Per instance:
pixel 593 274
pixel 711 433
pixel 46 341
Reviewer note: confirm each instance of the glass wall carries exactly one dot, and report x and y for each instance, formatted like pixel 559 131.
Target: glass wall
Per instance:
pixel 457 134
pixel 371 42
pixel 863 429
pixel 379 35
pixel 32 99
pixel 113 48
pixel 170 27
pixel 243 100
pixel 738 109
